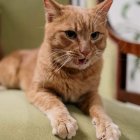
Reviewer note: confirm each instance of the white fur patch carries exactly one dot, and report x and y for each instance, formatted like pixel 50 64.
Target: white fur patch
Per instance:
pixel 64 126
pixel 106 130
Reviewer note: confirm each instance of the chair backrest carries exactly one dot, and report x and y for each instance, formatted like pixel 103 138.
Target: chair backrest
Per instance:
pixel 124 25
pixel 22 23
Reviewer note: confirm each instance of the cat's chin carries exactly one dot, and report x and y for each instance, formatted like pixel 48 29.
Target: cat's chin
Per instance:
pixel 80 65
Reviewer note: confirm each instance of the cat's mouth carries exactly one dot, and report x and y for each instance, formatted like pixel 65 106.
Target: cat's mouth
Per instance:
pixel 81 61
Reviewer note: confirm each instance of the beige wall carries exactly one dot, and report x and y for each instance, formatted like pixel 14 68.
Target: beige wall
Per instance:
pixel 108 80
pixel 91 3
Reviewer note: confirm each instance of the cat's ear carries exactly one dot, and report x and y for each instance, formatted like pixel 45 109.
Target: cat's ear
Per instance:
pixel 53 9
pixel 103 8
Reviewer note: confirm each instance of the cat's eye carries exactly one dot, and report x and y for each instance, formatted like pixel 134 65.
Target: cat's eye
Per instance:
pixel 95 35
pixel 71 34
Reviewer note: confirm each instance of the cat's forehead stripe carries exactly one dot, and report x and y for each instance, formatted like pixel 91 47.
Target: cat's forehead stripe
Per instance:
pixel 81 19
pixel 83 22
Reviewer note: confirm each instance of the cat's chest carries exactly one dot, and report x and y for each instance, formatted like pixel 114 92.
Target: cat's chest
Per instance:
pixel 72 89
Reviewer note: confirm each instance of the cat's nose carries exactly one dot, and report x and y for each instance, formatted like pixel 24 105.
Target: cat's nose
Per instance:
pixel 85 52
pixel 85 49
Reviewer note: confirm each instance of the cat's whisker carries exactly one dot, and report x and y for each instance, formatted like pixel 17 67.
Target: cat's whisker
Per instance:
pixel 56 50
pixel 67 60
pixel 98 53
pixel 74 54
pixel 59 60
pixel 68 52
pixel 71 53
pixel 51 55
pixel 59 57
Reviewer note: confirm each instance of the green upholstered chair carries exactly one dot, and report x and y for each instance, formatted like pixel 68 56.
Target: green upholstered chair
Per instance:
pixel 20 120
pixel 22 24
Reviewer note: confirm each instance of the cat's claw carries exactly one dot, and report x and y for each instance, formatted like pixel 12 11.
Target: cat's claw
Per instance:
pixel 106 130
pixel 65 128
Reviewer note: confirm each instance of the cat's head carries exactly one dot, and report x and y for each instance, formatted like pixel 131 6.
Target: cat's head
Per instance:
pixel 77 36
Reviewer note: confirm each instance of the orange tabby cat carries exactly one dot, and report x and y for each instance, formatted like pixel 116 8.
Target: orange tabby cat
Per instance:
pixel 66 68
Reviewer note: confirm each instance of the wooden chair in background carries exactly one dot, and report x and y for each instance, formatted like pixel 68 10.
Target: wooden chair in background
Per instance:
pixel 124 48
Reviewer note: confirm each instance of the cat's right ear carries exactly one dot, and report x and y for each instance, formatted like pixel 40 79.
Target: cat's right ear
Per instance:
pixel 103 8
pixel 52 9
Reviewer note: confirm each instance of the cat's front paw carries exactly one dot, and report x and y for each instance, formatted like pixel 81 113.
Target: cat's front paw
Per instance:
pixel 106 129
pixel 65 127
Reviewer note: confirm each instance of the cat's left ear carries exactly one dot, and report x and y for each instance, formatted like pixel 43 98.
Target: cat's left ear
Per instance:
pixel 53 9
pixel 103 8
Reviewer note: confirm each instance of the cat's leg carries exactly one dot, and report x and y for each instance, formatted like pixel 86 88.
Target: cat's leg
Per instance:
pixel 105 128
pixel 9 68
pixel 61 121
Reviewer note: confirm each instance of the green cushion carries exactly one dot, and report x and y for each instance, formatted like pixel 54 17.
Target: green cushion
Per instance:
pixel 20 120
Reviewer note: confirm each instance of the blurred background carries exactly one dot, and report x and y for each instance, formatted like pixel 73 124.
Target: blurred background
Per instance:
pixel 22 26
